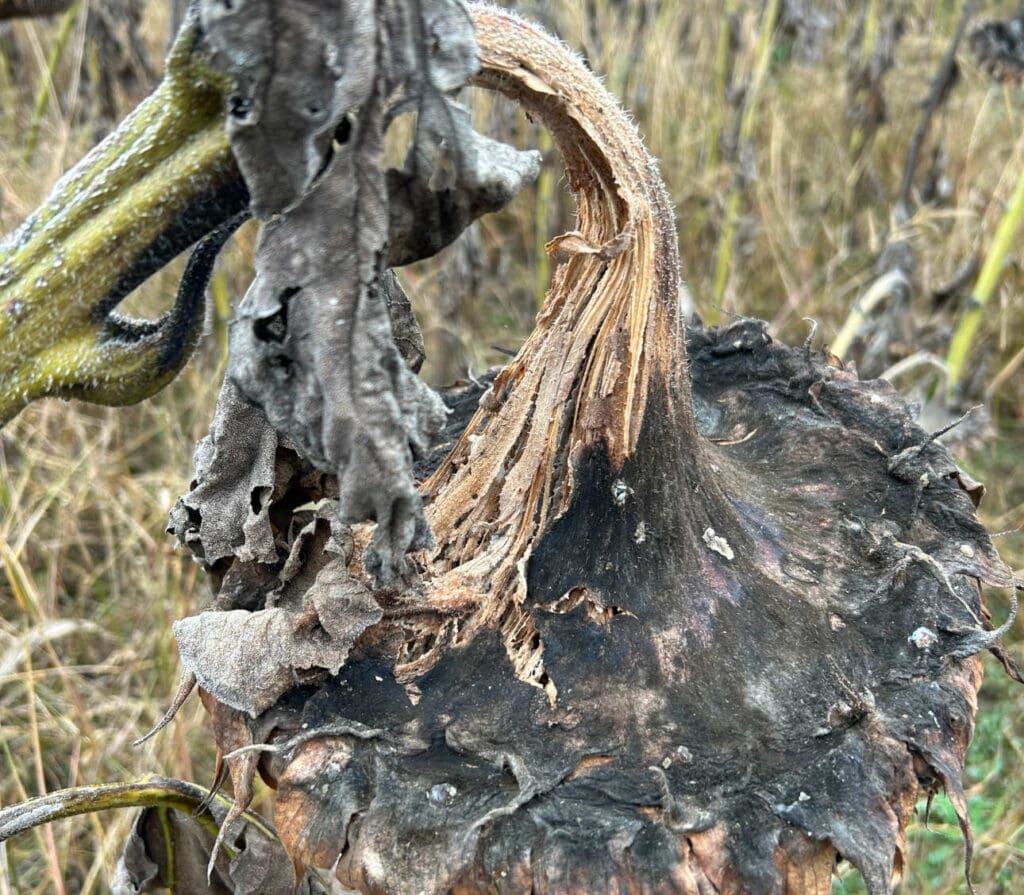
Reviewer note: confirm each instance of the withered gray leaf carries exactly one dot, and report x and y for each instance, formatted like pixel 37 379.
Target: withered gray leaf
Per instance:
pixel 226 513
pixel 298 68
pixel 312 344
pixel 436 196
pixel 169 849
pixel 135 869
pixel 248 659
pixel 431 43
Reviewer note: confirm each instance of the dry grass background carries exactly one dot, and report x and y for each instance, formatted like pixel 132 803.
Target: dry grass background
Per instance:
pixel 89 582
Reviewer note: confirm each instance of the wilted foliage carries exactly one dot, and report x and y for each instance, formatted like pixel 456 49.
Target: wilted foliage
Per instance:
pixel 328 652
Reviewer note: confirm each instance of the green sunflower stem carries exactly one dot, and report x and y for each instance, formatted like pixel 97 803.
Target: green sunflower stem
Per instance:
pixel 963 337
pixel 105 227
pixel 723 262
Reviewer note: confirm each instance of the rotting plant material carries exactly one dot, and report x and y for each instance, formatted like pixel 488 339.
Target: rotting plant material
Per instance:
pixel 680 611
pixel 667 639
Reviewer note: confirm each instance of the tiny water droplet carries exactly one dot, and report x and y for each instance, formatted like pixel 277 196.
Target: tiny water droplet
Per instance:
pixel 15 309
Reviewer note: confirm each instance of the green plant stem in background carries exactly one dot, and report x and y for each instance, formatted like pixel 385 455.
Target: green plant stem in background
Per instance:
pixel 46 88
pixel 988 279
pixel 723 263
pixel 713 153
pixel 869 38
pixel 150 792
pixel 6 81
pixel 861 309
pixel 220 292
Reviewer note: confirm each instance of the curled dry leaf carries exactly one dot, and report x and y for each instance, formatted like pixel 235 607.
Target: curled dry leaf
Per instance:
pixel 311 618
pixel 430 204
pixel 313 345
pixel 169 849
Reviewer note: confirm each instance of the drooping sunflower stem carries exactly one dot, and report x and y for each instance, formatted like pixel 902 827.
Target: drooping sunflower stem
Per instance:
pixel 609 340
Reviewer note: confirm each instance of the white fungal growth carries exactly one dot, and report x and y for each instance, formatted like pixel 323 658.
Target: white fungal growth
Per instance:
pixel 620 492
pixel 640 534
pixel 716 542
pixel 923 638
